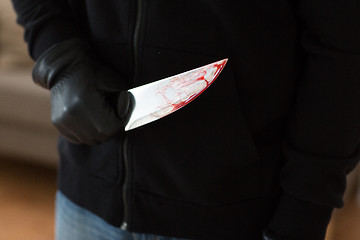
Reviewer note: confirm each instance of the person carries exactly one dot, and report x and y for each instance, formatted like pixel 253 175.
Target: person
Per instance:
pixel 262 154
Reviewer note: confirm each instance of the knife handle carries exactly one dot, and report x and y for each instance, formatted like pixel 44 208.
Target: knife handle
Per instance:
pixel 125 105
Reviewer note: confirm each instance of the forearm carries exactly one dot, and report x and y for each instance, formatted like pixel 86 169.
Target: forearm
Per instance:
pixel 323 136
pixel 46 22
pixel 324 129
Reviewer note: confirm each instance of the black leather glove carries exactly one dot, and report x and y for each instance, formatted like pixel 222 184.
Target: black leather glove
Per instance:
pixel 82 99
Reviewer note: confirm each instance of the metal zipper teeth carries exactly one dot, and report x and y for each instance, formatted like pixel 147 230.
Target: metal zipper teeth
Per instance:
pixel 124 225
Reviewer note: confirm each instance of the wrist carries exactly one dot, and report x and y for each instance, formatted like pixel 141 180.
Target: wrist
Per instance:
pixel 57 58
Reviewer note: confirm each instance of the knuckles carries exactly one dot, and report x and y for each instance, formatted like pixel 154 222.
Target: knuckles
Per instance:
pixel 78 108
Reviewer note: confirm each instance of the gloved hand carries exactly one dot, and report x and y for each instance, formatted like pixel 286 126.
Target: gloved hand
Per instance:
pixel 82 101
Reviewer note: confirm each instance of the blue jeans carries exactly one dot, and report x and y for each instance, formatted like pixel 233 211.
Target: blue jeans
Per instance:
pixel 76 223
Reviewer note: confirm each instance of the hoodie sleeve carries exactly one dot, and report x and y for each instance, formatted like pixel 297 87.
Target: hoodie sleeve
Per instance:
pixel 323 136
pixel 46 22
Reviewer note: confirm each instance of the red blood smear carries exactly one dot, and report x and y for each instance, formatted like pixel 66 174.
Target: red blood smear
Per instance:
pixel 179 105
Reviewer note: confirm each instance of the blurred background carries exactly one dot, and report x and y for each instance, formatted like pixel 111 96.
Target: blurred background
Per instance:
pixel 28 158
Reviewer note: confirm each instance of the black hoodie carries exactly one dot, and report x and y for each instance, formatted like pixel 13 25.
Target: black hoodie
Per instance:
pixel 267 146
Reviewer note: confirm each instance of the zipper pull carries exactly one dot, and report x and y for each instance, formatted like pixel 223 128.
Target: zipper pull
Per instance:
pixel 124 226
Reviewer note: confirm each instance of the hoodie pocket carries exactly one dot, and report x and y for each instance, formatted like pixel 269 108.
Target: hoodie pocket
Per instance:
pixel 203 153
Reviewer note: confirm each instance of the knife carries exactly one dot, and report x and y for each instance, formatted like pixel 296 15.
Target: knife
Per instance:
pixel 158 99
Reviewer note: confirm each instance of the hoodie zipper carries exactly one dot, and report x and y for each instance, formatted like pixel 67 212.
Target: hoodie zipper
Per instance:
pixel 124 225
pixel 127 170
pixel 139 15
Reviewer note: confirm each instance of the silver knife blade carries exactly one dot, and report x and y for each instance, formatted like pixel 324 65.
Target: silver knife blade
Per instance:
pixel 160 98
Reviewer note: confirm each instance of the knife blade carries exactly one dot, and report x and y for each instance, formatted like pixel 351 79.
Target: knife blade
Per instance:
pixel 160 98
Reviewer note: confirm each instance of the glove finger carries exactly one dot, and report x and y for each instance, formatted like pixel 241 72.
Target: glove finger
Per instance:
pixel 91 122
pixel 90 142
pixel 86 133
pixel 79 131
pixel 106 121
pixel 67 134
pixel 79 138
pixel 93 137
